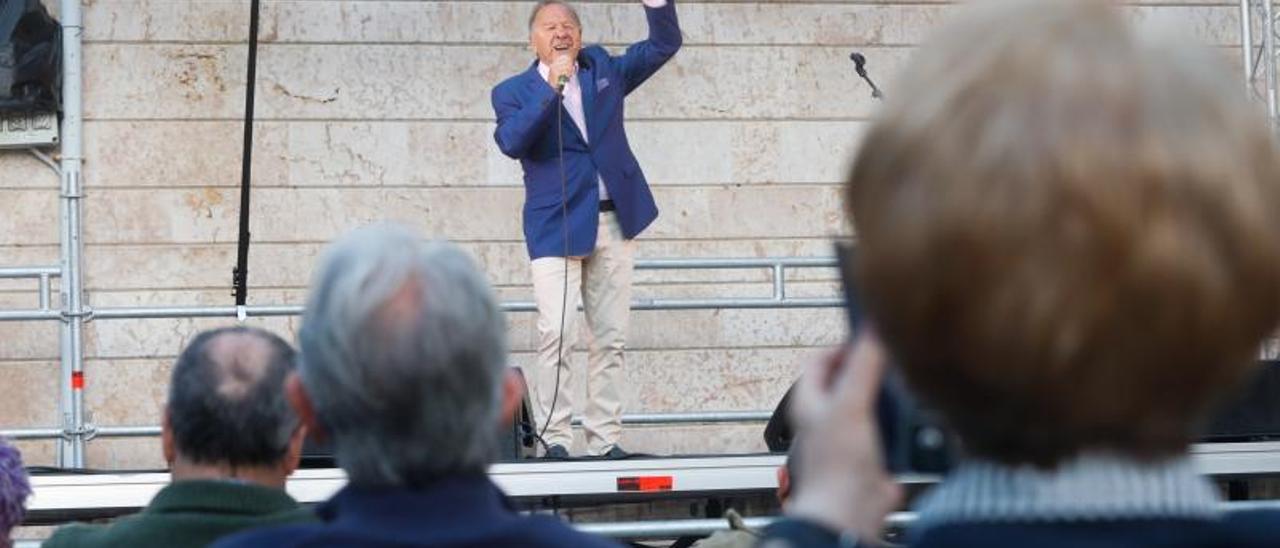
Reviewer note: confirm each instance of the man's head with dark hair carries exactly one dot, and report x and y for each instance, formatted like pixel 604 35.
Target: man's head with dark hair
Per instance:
pixel 227 409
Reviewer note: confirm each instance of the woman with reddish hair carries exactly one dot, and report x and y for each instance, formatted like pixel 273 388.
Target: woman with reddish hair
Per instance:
pixel 1069 240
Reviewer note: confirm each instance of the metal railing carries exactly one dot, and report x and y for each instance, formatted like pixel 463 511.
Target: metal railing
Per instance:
pixel 91 431
pixel 779 298
pixel 672 529
pixel 44 292
pixel 78 432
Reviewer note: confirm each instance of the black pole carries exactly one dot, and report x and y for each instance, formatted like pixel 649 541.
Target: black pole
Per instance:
pixel 240 276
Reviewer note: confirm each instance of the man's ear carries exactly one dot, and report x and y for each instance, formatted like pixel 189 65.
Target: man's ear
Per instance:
pixel 512 396
pixel 301 404
pixel 293 455
pixel 166 438
pixel 784 484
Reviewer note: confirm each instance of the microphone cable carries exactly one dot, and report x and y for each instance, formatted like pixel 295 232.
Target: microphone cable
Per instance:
pixel 564 295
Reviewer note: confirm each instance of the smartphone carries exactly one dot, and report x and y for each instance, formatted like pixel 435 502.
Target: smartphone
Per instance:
pixel 912 439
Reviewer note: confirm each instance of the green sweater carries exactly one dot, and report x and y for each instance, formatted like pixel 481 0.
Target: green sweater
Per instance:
pixel 189 513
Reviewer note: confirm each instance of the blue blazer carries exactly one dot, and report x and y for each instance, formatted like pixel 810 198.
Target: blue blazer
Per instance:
pixel 526 107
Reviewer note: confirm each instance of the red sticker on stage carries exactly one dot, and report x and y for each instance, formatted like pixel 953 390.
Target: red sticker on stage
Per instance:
pixel 77 380
pixel 645 483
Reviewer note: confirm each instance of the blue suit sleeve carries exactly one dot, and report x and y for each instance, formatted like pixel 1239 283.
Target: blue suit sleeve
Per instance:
pixel 521 122
pixel 644 58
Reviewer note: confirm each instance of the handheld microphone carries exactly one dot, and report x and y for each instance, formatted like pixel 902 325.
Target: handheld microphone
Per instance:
pixel 563 80
pixel 860 66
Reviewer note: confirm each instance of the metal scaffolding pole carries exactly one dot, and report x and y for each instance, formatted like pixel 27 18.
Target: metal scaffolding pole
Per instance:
pixel 71 402
pixel 1258 33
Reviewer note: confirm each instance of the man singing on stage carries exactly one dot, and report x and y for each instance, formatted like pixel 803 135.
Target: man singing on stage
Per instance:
pixel 585 201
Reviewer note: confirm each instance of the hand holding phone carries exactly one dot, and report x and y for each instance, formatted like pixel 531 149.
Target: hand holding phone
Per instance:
pixel 911 439
pixel 844 484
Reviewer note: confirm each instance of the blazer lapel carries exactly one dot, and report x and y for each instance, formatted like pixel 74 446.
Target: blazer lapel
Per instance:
pixel 587 81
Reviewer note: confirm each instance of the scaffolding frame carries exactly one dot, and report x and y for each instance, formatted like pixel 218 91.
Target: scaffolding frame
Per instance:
pixel 77 431
pixel 1259 30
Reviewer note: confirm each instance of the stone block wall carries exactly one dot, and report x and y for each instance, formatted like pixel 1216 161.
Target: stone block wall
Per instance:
pixel 375 110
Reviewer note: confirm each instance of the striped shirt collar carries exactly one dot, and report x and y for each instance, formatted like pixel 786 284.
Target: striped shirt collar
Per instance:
pixel 1092 487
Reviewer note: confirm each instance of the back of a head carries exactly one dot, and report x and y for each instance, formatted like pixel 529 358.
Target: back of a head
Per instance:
pixel 403 351
pixel 1069 232
pixel 227 400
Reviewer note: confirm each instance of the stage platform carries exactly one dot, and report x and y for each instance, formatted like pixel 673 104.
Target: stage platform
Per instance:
pixel 547 484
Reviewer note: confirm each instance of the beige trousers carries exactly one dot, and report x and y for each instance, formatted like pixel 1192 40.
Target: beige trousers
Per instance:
pixel 601 282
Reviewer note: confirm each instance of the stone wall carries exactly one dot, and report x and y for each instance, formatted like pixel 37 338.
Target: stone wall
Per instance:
pixel 378 109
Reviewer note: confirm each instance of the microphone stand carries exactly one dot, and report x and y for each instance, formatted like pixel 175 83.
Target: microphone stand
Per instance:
pixel 860 65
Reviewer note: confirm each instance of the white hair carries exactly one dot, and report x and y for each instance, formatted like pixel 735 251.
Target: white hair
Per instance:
pixel 403 352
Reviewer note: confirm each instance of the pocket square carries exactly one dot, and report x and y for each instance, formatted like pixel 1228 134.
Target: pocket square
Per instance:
pixel 601 84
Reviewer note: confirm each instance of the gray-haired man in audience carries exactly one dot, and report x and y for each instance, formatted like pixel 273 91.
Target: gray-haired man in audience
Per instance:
pixel 230 439
pixel 403 365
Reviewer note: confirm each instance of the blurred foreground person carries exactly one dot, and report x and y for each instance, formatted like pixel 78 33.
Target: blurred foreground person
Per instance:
pixel 403 366
pixel 230 439
pixel 15 487
pixel 1069 241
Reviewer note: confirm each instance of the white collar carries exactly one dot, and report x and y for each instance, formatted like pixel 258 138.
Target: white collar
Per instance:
pixel 545 69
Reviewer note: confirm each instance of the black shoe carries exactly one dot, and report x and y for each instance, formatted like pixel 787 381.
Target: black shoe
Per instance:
pixel 616 453
pixel 556 452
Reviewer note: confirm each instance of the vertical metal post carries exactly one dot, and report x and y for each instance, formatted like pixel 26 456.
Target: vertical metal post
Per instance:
pixel 1269 57
pixel 779 275
pixel 44 292
pixel 71 404
pixel 1246 43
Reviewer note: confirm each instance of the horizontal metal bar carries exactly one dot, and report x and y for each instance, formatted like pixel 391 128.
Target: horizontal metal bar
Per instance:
pixel 32 433
pixel 29 315
pixel 193 312
pixel 517 306
pixel 637 418
pixel 692 418
pixel 29 271
pixel 756 303
pixel 97 432
pixel 666 529
pixel 152 313
pixel 689 264
pixel 126 431
pixel 137 313
pixel 670 529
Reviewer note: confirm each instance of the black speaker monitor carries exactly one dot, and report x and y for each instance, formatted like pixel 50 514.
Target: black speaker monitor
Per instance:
pixel 30 58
